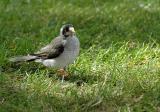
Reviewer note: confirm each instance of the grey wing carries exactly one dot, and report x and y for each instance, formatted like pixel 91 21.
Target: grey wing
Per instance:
pixel 52 50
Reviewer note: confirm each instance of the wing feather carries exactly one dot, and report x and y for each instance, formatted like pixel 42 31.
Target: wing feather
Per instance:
pixel 52 50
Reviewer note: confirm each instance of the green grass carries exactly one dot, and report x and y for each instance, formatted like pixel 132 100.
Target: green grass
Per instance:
pixel 119 60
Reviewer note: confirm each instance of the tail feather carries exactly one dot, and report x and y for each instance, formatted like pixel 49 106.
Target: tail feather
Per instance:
pixel 23 58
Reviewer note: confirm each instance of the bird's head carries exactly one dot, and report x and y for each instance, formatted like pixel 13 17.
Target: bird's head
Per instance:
pixel 67 30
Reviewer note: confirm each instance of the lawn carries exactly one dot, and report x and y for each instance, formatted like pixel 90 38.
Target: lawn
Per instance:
pixel 118 69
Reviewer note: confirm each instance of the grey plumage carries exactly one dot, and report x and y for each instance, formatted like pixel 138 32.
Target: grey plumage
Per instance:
pixel 62 50
pixel 23 58
pixel 52 50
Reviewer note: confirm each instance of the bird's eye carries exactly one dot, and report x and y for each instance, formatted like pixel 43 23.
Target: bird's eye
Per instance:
pixel 67 29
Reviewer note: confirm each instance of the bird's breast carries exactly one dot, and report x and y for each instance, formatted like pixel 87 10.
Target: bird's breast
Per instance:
pixel 71 50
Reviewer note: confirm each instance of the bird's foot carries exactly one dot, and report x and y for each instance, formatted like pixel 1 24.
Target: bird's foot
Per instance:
pixel 63 74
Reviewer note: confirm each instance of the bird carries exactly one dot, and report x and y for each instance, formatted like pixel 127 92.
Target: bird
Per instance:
pixel 59 53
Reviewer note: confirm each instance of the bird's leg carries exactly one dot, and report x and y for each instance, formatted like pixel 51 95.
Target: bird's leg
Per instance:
pixel 63 73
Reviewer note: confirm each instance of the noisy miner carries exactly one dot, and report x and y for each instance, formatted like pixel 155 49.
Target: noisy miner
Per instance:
pixel 62 51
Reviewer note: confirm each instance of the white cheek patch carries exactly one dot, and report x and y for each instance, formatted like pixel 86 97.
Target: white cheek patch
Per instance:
pixel 61 30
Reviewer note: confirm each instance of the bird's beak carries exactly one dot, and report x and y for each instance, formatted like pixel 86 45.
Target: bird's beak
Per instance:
pixel 72 29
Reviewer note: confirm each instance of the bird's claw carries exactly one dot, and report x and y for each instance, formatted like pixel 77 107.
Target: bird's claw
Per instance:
pixel 62 73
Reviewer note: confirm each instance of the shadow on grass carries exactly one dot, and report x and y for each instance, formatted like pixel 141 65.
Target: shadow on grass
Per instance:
pixel 83 78
pixel 25 68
